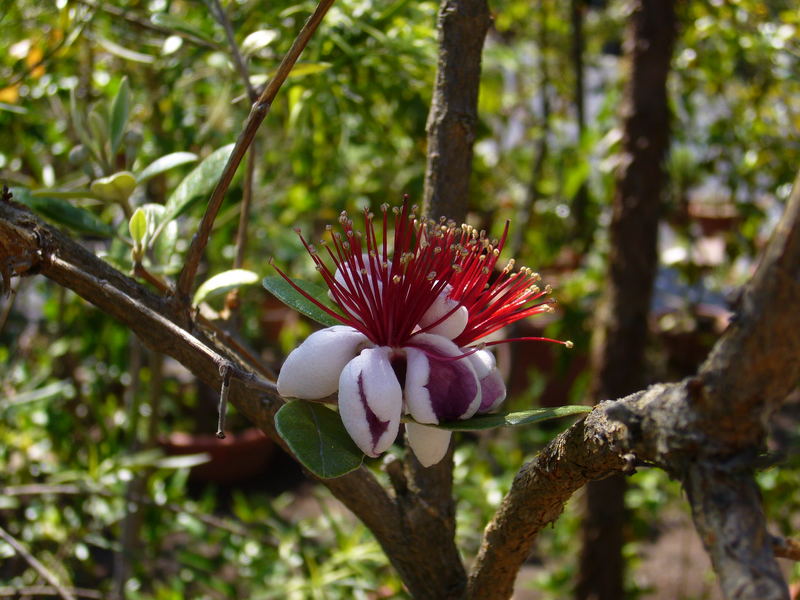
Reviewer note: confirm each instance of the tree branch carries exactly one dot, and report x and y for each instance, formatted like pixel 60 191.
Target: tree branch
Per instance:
pixel 43 571
pixel 705 430
pixel 258 112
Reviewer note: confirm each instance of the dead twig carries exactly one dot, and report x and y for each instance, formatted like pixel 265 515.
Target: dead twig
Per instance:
pixel 37 566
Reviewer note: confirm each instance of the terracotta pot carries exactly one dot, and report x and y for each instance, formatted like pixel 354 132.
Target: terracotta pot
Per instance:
pixel 237 458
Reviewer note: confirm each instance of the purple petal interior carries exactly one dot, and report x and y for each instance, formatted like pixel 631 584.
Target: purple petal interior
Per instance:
pixel 452 386
pixel 376 427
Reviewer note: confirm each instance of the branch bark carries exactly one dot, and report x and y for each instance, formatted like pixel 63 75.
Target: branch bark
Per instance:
pixel 706 430
pixel 453 115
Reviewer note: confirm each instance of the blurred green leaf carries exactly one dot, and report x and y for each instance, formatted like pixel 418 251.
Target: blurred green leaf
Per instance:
pixel 114 188
pixel 514 419
pixel 118 118
pixel 317 437
pixel 283 291
pixel 163 164
pixel 64 193
pixel 198 183
pixel 258 40
pixel 62 212
pixel 177 24
pixel 222 283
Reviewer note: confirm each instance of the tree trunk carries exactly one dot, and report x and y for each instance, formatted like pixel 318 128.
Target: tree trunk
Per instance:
pixel 453 116
pixel 618 348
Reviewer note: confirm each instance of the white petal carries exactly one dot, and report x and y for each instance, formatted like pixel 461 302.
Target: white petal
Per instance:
pixel 417 396
pixel 493 391
pixel 311 371
pixel 453 325
pixel 371 400
pixel 439 387
pixel 429 444
pixel 483 362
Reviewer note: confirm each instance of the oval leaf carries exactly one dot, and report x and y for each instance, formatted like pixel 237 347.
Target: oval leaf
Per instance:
pixel 163 164
pixel 62 212
pixel 198 183
pixel 317 437
pixel 258 40
pixel 222 283
pixel 138 227
pixel 513 419
pixel 283 291
pixel 114 188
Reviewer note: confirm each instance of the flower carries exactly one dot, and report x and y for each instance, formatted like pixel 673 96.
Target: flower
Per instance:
pixel 411 314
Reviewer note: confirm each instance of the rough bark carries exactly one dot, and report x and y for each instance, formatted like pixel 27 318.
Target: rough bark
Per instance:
pixel 621 332
pixel 453 115
pixel 705 430
pixel 29 247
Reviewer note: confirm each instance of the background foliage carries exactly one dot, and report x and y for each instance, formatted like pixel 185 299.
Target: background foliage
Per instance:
pixel 86 412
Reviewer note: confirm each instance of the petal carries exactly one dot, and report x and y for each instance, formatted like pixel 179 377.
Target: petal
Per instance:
pixel 371 400
pixel 439 387
pixel 493 391
pixel 429 444
pixel 453 325
pixel 493 388
pixel 311 371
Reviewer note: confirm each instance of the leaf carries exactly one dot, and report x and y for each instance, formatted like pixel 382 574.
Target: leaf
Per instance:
pixel 199 182
pixel 114 188
pixel 163 164
pixel 64 193
pixel 258 40
pixel 317 437
pixel 123 52
pixel 283 291
pixel 222 283
pixel 138 227
pixel 62 212
pixel 120 108
pixel 514 419
pixel 183 461
pixel 174 23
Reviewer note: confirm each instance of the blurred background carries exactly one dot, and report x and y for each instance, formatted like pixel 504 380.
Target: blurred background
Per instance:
pixel 110 474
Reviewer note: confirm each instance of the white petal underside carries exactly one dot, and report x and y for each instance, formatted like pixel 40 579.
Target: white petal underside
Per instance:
pixel 429 444
pixel 371 400
pixel 312 370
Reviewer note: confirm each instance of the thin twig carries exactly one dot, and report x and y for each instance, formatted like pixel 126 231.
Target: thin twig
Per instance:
pixel 43 571
pixel 222 410
pixel 222 18
pixel 144 23
pixel 258 112
pixel 35 591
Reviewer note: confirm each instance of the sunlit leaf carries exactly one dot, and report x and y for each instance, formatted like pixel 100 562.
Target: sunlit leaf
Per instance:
pixel 124 53
pixel 317 437
pixel 283 291
pixel 258 40
pixel 138 226
pixel 114 188
pixel 163 164
pixel 222 283
pixel 198 183
pixel 513 419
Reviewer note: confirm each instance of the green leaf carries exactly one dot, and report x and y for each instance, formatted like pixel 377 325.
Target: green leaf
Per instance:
pixel 258 40
pixel 114 188
pixel 64 193
pixel 283 291
pixel 123 52
pixel 222 283
pixel 138 227
pixel 163 164
pixel 198 183
pixel 317 437
pixel 62 212
pixel 177 24
pixel 513 419
pixel 120 109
